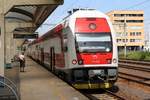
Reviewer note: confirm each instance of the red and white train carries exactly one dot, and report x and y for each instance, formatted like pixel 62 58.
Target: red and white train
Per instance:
pixel 81 49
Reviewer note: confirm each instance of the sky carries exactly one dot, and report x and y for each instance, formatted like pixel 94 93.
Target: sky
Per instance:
pixel 100 5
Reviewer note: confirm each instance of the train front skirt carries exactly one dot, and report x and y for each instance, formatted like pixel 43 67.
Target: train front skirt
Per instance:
pixel 92 85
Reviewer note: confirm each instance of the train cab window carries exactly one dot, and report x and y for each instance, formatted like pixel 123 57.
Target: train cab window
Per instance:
pixel 95 42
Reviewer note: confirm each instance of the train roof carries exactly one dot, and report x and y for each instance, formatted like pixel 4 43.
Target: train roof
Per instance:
pixel 88 13
pixel 77 14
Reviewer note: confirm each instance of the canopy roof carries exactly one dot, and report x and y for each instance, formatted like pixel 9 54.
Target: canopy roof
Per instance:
pixel 35 14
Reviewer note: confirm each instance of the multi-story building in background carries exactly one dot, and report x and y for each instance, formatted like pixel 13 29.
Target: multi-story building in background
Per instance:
pixel 129 27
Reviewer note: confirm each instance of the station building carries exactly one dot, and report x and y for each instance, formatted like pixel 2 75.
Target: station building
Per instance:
pixel 129 27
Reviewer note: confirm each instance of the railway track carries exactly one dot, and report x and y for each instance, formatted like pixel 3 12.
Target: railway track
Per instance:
pixel 135 67
pixel 135 62
pixel 129 77
pixel 134 78
pixel 141 66
pixel 102 95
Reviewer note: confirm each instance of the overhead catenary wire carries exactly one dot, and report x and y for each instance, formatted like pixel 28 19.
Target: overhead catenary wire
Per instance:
pixel 138 4
pixel 58 16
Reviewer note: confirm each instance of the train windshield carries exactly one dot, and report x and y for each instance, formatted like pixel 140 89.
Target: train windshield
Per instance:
pixel 93 42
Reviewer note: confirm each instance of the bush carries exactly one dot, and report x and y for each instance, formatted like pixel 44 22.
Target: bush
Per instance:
pixel 147 56
pixel 136 55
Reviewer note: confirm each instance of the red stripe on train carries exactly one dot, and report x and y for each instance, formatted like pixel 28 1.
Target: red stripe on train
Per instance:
pixel 95 58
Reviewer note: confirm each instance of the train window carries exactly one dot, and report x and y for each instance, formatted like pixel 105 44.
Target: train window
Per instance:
pixel 65 40
pixel 95 42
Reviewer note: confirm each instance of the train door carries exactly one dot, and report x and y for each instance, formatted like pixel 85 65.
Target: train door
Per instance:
pixel 65 49
pixel 52 59
pixel 42 55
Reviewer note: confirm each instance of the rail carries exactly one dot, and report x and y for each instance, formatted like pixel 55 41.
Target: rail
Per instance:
pixel 135 61
pixel 135 67
pixel 103 94
pixel 133 80
pixel 115 95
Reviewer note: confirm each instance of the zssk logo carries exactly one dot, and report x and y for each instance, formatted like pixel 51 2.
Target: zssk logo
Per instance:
pixel 94 57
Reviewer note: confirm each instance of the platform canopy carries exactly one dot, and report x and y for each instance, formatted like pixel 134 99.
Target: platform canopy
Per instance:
pixel 29 11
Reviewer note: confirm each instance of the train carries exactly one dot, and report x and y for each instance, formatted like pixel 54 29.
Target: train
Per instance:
pixel 81 49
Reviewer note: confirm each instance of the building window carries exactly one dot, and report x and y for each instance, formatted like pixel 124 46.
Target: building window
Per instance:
pixel 118 40
pixel 132 40
pixel 138 40
pixel 134 15
pixel 119 15
pixel 129 15
pixel 129 21
pixel 135 40
pixel 120 21
pixel 123 40
pixel 135 33
pixel 134 21
pixel 132 33
pixel 138 33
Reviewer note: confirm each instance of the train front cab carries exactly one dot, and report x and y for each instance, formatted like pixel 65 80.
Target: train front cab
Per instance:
pixel 95 54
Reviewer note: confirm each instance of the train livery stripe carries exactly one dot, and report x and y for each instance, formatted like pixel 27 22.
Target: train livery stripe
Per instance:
pixel 97 58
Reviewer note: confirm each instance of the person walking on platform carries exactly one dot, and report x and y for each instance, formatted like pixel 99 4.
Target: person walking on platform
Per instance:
pixel 22 62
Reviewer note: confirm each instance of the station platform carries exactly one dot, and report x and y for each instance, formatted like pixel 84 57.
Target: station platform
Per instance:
pixel 37 83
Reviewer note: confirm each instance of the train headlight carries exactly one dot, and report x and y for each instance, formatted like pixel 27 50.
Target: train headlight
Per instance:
pixel 107 49
pixel 109 61
pixel 80 62
pixel 92 26
pixel 74 61
pixel 114 60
